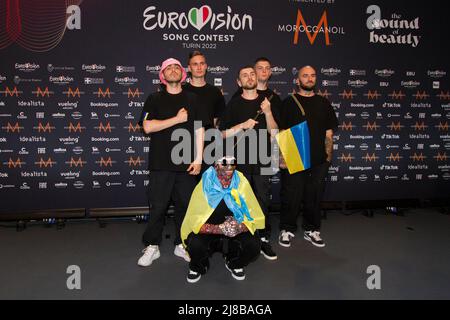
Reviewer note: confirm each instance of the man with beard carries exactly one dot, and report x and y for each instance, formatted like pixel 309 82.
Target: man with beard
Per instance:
pixel 223 215
pixel 251 110
pixel 210 99
pixel 263 70
pixel 307 185
pixel 164 112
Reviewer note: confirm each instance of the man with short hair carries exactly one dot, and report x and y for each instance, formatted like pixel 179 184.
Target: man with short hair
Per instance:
pixel 306 186
pixel 247 111
pixel 210 99
pixel 164 112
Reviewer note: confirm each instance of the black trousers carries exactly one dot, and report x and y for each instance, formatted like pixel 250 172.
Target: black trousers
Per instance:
pixel 238 251
pixel 165 186
pixel 305 187
pixel 261 188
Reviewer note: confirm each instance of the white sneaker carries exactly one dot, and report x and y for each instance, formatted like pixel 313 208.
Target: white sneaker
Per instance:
pixel 150 253
pixel 181 252
pixel 284 238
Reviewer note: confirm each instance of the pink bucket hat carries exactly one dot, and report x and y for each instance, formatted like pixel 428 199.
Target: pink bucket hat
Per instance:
pixel 167 63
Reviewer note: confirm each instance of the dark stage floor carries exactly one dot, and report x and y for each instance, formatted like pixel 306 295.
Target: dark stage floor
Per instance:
pixel 411 251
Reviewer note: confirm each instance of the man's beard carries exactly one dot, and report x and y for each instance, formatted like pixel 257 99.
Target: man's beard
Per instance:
pixel 246 87
pixel 308 88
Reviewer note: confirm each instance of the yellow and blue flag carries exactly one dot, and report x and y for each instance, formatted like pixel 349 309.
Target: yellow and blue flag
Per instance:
pixel 294 145
pixel 208 193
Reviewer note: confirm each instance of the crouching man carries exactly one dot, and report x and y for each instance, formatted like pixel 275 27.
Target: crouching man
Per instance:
pixel 223 215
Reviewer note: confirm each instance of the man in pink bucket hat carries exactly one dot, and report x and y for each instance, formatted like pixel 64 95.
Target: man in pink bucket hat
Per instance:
pixel 171 62
pixel 167 113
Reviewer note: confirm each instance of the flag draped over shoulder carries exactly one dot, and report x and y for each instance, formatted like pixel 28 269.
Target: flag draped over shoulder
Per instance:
pixel 207 195
pixel 294 144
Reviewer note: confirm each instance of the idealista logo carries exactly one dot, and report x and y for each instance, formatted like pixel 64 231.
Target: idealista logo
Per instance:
pixel 386 31
pixel 196 17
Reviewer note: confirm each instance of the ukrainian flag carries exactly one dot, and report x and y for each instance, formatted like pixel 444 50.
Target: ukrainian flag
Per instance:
pixel 202 205
pixel 294 145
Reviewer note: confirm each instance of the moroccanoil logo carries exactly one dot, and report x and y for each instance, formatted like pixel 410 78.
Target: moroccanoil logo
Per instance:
pixel 13 128
pixel 76 162
pixel 394 157
pixel 441 157
pixel 324 93
pixel 73 93
pixel 346 126
pixel 197 18
pixel 134 162
pixel 133 94
pixel 13 164
pixel 134 128
pixel 395 126
pixel 346 157
pixel 370 95
pixel 45 163
pixel 10 92
pixel 442 126
pixel 44 128
pixel 371 126
pixel 370 157
pixel 397 95
pixel 311 31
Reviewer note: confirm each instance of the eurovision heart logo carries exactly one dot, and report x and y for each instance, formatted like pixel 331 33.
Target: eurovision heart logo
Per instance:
pixel 198 18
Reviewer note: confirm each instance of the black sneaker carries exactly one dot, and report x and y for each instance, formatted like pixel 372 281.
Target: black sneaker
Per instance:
pixel 266 250
pixel 314 238
pixel 193 276
pixel 238 274
pixel 285 238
